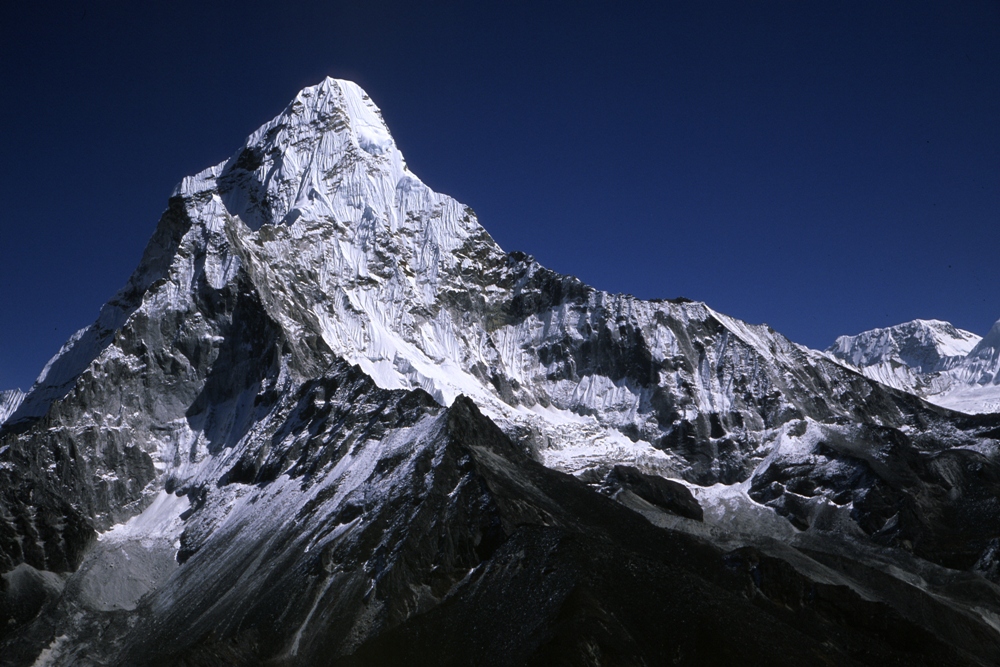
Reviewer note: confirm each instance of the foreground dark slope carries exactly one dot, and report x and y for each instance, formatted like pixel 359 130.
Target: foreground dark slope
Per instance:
pixel 534 567
pixel 201 477
pixel 434 539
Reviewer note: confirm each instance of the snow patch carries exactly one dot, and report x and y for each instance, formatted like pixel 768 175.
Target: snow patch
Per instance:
pixel 160 520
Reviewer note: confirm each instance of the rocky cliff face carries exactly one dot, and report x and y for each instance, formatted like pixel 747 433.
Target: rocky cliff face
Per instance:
pixel 329 417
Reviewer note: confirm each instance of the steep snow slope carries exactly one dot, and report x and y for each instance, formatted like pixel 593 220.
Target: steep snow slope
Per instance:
pixel 10 400
pixel 275 375
pixel 932 359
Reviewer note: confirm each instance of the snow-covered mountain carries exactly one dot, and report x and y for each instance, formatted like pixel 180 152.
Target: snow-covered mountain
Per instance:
pixel 352 254
pixel 922 345
pixel 328 417
pixel 934 360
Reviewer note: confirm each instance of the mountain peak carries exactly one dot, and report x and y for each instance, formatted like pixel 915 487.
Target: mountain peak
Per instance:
pixel 327 155
pixel 920 344
pixel 340 106
pixel 932 359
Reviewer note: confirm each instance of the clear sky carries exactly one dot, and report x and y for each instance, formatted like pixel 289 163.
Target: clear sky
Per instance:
pixel 825 167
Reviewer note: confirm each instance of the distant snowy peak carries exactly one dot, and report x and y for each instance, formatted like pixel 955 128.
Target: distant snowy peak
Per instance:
pixel 10 400
pixel 932 359
pixel 922 345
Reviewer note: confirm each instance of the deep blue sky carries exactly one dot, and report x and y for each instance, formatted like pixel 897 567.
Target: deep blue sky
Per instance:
pixel 825 167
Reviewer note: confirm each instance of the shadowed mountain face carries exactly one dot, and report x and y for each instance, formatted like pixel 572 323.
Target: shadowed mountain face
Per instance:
pixel 329 421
